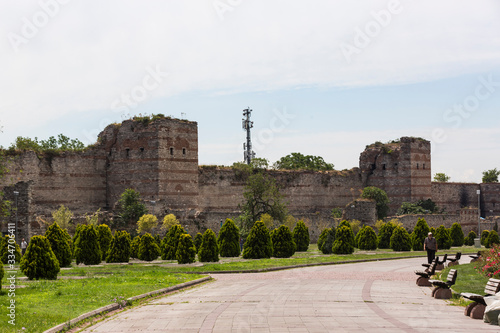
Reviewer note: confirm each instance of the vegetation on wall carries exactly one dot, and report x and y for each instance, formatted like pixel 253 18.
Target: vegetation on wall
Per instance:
pixel 51 145
pixel 491 176
pixel 297 161
pixel 130 207
pixel 380 197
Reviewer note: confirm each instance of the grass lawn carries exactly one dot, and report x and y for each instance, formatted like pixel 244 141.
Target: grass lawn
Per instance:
pixel 468 279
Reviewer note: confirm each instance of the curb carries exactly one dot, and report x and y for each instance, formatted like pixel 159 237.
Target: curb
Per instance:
pixel 115 306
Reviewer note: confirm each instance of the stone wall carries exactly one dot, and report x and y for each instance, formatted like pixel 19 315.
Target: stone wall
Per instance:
pixel 363 210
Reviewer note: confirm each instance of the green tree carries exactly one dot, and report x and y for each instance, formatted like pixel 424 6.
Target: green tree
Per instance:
pixel 87 250
pixel 420 232
pixel 1 274
pixel 326 247
pixel 169 221
pixel 350 239
pixel 59 244
pixel 63 217
pixel 146 223
pixel 443 238
pixel 385 234
pixel 322 238
pixel 336 213
pixel 130 207
pixel 344 239
pixel 11 253
pixel 441 177
pixel 297 161
pixel 259 163
pixel 484 236
pixel 400 239
pixel 367 238
pixel 148 249
pixel 229 239
pixel 104 237
pixel 492 239
pixel 258 244
pixel 170 242
pixel 380 197
pixel 457 235
pixel 301 236
pixel 119 249
pixel 283 242
pixel 39 261
pixel 186 251
pixel 469 240
pixel 209 251
pixel 491 176
pixel 197 241
pixel 134 247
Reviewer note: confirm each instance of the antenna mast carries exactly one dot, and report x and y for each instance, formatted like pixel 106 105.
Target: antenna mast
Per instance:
pixel 248 153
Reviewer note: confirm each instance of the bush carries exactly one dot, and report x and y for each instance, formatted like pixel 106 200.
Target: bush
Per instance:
pixel 469 240
pixel 385 234
pixel 258 243
pixel 301 236
pixel 59 244
pixel 119 249
pixel 367 239
pixel 169 243
pixel 104 237
pixel 322 238
pixel 326 248
pixel 186 251
pixel 443 238
pixel 457 235
pixel 400 239
pixel 420 232
pixel 146 223
pixel 76 235
pixel 350 237
pixel 70 241
pixel 87 250
pixel 344 239
pixel 134 247
pixel 283 242
pixel 157 240
pixel 484 236
pixel 197 241
pixel 492 239
pixel 1 274
pixel 7 253
pixel 148 249
pixel 209 251
pixel 130 206
pixel 229 240
pixel 39 261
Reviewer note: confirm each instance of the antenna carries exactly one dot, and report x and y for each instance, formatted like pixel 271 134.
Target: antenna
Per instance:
pixel 248 154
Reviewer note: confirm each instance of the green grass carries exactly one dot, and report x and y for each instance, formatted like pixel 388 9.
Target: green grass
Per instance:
pixel 468 279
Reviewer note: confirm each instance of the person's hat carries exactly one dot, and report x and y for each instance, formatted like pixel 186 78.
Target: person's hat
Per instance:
pixel 430 233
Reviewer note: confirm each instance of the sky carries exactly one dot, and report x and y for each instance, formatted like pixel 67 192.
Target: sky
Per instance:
pixel 324 77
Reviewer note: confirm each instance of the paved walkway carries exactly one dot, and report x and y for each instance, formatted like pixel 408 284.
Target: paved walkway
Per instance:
pixel 365 297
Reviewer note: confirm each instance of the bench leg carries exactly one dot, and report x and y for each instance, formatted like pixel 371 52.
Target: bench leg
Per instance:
pixel 442 293
pixel 434 291
pixel 423 282
pixel 478 311
pixel 439 267
pixel 452 263
pixel 468 308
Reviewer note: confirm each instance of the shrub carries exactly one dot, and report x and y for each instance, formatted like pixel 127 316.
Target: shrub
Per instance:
pixel 433 230
pixel 130 206
pixel 492 239
pixel 119 249
pixel 70 241
pixel 350 238
pixel 258 244
pixel 469 240
pixel 1 274
pixel 169 221
pixel 170 241
pixel 489 263
pixel 443 238
pixel 301 236
pixel 104 237
pixel 400 239
pixel 484 236
pixel 457 235
pixel 76 235
pixel 59 244
pixel 197 241
pixel 322 238
pixel 87 250
pixel 157 240
pixel 39 261
pixel 134 247
pixel 229 240
pixel 367 239
pixel 146 223
pixel 283 242
pixel 326 248
pixel 186 251
pixel 344 240
pixel 6 253
pixel 148 249
pixel 385 234
pixel 209 251
pixel 420 232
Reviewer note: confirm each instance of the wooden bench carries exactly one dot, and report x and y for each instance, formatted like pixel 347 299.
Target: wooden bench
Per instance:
pixel 440 263
pixel 475 309
pixel 475 257
pixel 442 289
pixel 454 261
pixel 423 276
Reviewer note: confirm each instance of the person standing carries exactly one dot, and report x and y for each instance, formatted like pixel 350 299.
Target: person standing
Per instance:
pixel 430 245
pixel 24 245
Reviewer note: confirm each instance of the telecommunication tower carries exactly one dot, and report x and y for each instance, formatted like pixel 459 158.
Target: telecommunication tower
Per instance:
pixel 248 153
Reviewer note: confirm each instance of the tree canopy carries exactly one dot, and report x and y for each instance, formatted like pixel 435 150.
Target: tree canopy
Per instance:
pixel 297 161
pixel 491 176
pixel 441 177
pixel 380 197
pixel 61 143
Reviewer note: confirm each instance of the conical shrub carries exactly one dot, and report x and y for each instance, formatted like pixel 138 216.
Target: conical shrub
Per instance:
pixel 39 261
pixel 400 239
pixel 119 249
pixel 197 241
pixel 283 244
pixel 186 251
pixel 229 240
pixel 492 239
pixel 301 236
pixel 170 242
pixel 385 234
pixel 420 232
pixel 344 240
pixel 350 236
pixel 104 237
pixel 457 235
pixel 134 247
pixel 209 251
pixel 484 236
pixel 322 238
pixel 87 250
pixel 59 244
pixel 9 254
pixel 366 239
pixel 326 248
pixel 1 274
pixel 469 240
pixel 148 249
pixel 443 238
pixel 258 244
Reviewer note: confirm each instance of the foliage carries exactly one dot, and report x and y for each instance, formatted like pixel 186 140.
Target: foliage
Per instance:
pixel 134 247
pixel 366 239
pixel 457 235
pixel 186 251
pixel 1 274
pixel 484 236
pixel 119 249
pixel 355 226
pixel 297 161
pixel 283 242
pixel 268 220
pixel 6 253
pixel 104 237
pixel 469 240
pixel 197 241
pixel 148 249
pixel 39 261
pixel 345 223
pixel 290 221
pixel 491 176
pixel 336 213
pixel 94 218
pixel 443 238
pixel 343 243
pixel 87 249
pixel 489 263
pixel 170 241
pixel 322 238
pixel 380 197
pixel 62 143
pixel 146 223
pixel 301 236
pixel 229 239
pixel 326 248
pixel 63 217
pixel 259 163
pixel 258 244
pixel 420 232
pixel 59 245
pixel 492 239
pixel 408 208
pixel 441 177
pixel 385 234
pixel 130 207
pixel 400 239
pixel 209 251
pixel 169 221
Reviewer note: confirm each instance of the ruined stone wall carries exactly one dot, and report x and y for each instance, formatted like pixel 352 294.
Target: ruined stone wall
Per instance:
pixel 363 210
pixel 453 196
pixel 490 199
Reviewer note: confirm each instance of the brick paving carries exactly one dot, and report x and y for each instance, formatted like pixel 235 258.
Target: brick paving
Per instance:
pixel 364 297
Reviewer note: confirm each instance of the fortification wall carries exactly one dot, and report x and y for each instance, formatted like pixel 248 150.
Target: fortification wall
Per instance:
pixel 453 196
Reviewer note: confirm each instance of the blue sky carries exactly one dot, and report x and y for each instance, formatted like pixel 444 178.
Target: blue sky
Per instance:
pixel 324 78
